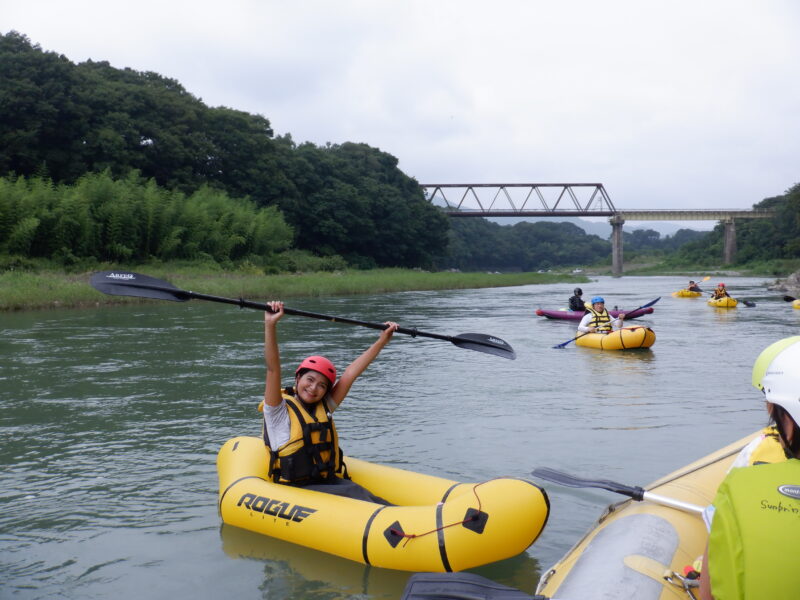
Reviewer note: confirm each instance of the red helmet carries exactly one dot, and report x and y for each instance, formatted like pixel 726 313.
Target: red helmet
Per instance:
pixel 720 285
pixel 320 364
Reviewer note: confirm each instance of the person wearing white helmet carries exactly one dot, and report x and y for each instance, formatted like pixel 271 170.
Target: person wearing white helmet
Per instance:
pixel 751 551
pixel 298 429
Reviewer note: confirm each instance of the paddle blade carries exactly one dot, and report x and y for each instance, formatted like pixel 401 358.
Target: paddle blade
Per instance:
pixel 126 283
pixel 568 480
pixel 748 303
pixel 564 344
pixel 789 298
pixel 487 344
pixel 649 304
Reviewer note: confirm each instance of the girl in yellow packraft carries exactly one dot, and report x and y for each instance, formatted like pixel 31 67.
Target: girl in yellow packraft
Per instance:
pixel 298 426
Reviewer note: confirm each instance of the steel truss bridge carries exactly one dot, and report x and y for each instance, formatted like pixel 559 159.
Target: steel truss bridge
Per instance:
pixel 573 200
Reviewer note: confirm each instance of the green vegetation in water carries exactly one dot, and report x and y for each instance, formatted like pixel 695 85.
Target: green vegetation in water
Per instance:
pixel 51 289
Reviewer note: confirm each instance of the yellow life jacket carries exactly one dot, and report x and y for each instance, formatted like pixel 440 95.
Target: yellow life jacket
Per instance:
pixel 312 453
pixel 769 449
pixel 601 321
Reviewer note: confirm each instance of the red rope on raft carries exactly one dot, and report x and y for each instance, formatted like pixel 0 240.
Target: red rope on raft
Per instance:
pixel 410 536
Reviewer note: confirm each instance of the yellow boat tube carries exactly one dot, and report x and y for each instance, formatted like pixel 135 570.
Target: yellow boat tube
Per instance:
pixel 724 302
pixel 626 338
pixel 796 303
pixel 687 294
pixel 638 549
pixel 435 524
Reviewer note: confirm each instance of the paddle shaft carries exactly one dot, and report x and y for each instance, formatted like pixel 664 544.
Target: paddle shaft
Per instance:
pixel 122 283
pixel 673 503
pixel 182 295
pixel 242 303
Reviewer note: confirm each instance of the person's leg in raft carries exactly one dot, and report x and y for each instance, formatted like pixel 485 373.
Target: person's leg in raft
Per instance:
pixel 348 488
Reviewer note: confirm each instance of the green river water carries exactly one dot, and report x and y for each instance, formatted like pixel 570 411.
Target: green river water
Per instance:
pixel 112 418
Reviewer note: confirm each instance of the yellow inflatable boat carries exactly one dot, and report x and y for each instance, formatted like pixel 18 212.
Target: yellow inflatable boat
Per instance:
pixel 626 338
pixel 435 524
pixel 796 303
pixel 639 549
pixel 687 294
pixel 724 302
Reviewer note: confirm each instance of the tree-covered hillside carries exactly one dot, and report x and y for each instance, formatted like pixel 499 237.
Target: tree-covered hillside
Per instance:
pixel 776 238
pixel 62 121
pixel 185 180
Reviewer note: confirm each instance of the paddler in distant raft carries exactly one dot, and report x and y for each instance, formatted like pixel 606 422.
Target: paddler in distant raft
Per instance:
pixel 576 302
pixel 298 425
pixel 693 287
pixel 720 292
pixel 597 319
pixel 755 518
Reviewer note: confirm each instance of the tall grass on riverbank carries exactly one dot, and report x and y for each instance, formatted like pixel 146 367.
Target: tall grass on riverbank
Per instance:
pixel 26 291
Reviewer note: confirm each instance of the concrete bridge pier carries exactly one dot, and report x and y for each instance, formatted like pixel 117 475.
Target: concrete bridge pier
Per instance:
pixel 729 239
pixel 616 245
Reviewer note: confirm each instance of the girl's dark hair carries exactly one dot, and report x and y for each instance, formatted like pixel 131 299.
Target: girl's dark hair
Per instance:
pixel 776 414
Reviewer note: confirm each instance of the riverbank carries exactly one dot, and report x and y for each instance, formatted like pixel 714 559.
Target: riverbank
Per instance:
pixel 50 289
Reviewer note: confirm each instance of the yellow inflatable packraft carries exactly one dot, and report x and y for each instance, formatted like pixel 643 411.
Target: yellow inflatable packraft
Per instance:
pixel 724 302
pixel 687 294
pixel 626 338
pixel 435 524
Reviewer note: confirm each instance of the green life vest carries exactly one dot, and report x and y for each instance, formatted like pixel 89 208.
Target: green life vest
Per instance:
pixel 752 548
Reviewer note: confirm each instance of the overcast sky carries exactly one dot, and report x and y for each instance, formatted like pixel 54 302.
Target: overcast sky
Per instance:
pixel 680 104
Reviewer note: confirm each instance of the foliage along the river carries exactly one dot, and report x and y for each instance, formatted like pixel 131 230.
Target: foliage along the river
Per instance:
pixel 134 220
pixel 756 239
pixel 61 120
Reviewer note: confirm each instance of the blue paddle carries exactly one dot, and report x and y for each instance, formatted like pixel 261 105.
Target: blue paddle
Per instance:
pixel 562 345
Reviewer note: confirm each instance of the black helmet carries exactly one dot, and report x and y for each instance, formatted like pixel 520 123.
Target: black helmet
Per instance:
pixel 578 292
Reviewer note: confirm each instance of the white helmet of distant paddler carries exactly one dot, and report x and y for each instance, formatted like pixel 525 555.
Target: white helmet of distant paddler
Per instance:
pixel 777 373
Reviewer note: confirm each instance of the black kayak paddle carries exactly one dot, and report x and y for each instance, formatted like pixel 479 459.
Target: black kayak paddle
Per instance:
pixel 634 492
pixel 126 283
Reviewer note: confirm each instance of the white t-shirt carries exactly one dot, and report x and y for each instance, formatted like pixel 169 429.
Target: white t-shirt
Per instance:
pixel 276 420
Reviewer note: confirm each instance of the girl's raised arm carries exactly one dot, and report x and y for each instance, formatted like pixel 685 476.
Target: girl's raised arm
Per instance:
pixel 359 365
pixel 272 359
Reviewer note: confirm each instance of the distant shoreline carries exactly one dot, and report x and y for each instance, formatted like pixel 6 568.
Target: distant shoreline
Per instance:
pixel 20 291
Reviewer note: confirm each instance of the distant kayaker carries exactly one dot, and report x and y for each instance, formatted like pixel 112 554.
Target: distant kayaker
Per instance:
pixel 597 319
pixel 576 301
pixel 755 518
pixel 720 292
pixel 693 287
pixel 298 425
